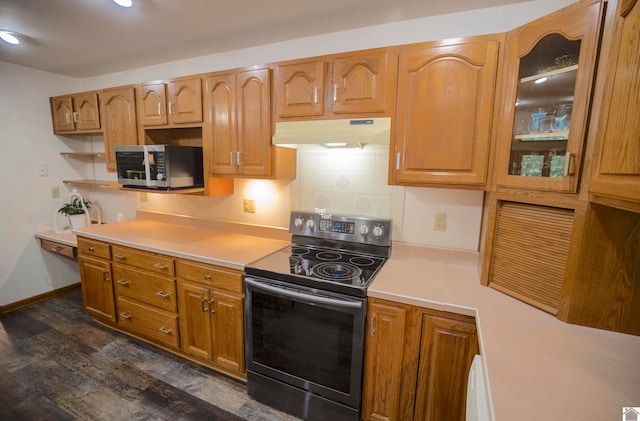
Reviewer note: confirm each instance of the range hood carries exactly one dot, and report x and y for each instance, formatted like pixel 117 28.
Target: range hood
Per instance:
pixel 334 133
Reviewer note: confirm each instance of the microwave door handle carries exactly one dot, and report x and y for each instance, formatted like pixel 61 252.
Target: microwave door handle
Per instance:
pixel 306 297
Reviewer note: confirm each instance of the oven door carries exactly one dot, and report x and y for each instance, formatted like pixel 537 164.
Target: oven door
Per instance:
pixel 309 339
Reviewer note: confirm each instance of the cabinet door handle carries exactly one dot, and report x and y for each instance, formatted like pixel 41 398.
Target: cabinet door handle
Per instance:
pixel 160 266
pixel 398 161
pixel 120 257
pixel 372 328
pixel 335 92
pixel 238 158
pixel 162 294
pixel 204 309
pixel 105 276
pixel 315 94
pixel 165 330
pixel 231 159
pixel 159 109
pixel 170 107
pixel 126 316
pixel 67 117
pixel 212 306
pixel 76 117
pixel 567 164
pixel 123 282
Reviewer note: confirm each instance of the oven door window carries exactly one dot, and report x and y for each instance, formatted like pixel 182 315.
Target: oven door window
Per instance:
pixel 297 341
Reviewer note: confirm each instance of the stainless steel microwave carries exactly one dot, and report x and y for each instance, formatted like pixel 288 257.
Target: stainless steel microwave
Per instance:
pixel 160 167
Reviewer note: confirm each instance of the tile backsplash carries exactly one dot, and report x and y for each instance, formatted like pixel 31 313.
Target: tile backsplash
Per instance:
pixel 345 181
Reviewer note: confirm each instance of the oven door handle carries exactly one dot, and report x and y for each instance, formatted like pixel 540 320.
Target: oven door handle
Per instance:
pixel 307 297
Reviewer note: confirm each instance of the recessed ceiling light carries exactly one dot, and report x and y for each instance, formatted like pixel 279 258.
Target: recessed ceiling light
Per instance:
pixel 541 80
pixel 9 37
pixel 124 3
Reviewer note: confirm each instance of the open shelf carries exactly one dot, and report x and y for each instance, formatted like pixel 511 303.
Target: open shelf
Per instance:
pixel 82 155
pixel 103 184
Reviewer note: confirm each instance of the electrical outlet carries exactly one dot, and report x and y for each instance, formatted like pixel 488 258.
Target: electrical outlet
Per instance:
pixel 249 205
pixel 55 192
pixel 143 196
pixel 440 222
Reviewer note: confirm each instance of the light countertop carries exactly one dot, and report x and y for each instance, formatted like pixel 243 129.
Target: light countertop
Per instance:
pixel 538 367
pixel 209 246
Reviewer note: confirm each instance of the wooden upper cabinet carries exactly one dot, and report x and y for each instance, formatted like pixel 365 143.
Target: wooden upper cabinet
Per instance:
pixel 445 100
pixel 220 133
pixel 617 157
pixel 254 122
pixel 338 86
pixel 118 111
pixel 238 129
pixel 361 83
pixel 78 113
pixel 174 103
pixel 546 99
pixel 301 89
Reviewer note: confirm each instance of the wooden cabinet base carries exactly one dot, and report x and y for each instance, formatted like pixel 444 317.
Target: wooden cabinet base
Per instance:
pixel 242 377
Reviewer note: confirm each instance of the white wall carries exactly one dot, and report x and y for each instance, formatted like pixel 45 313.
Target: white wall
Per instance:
pixel 27 139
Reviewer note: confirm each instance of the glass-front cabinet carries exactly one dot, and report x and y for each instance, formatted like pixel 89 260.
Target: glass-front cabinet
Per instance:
pixel 548 82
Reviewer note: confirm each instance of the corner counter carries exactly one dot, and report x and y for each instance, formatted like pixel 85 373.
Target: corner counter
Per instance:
pixel 537 367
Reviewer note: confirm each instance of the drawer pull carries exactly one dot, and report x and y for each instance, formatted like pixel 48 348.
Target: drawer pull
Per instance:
pixel 56 249
pixel 91 249
pixel 165 330
pixel 202 305
pixel 207 277
pixel 123 282
pixel 162 294
pixel 120 257
pixel 160 266
pixel 126 316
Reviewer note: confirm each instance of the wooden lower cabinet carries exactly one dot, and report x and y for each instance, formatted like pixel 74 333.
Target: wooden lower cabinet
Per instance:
pixel 416 363
pixel 96 279
pixel 211 315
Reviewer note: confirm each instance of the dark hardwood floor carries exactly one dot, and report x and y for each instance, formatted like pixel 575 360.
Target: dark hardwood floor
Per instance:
pixel 56 363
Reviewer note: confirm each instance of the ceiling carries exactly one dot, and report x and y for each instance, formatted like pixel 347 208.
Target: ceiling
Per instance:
pixel 83 38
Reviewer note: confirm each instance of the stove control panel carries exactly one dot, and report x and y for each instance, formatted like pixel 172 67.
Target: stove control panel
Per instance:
pixel 355 229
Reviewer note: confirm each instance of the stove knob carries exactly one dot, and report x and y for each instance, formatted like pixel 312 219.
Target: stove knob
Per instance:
pixel 310 225
pixel 364 231
pixel 378 231
pixel 297 222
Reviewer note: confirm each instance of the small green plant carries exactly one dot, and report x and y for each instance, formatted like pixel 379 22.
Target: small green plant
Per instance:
pixel 74 207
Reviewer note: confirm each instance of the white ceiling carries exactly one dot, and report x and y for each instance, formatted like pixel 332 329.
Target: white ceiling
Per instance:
pixel 83 38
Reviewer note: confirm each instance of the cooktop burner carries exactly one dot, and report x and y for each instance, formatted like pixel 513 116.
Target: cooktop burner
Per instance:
pixel 342 254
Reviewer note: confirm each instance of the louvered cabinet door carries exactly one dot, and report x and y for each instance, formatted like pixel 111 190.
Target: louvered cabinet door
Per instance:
pixel 530 252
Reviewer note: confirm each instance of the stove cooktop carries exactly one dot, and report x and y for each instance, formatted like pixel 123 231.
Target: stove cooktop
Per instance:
pixel 322 268
pixel 329 252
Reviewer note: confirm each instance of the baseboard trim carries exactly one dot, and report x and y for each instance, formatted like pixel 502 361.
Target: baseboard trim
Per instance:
pixel 38 298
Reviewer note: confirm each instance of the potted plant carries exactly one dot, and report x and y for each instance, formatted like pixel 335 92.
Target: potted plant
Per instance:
pixel 76 212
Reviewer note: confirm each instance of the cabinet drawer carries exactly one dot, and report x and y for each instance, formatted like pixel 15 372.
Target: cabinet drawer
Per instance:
pixel 62 249
pixel 146 287
pixel 94 248
pixel 212 275
pixel 146 260
pixel 161 326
